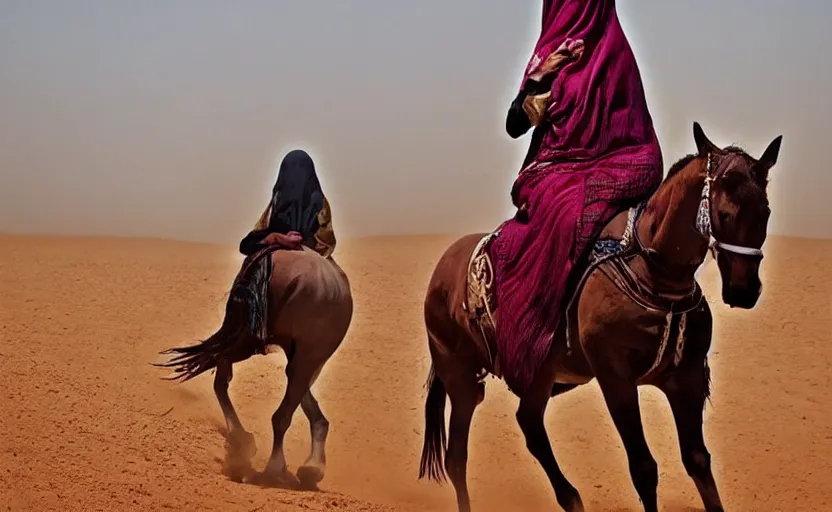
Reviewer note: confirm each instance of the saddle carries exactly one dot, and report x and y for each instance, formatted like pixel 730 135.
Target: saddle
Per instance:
pixel 252 259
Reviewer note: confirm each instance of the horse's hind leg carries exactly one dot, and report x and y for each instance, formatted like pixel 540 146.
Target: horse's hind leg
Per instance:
pixel 300 373
pixel 530 417
pixel 465 394
pixel 686 391
pixel 313 469
pixel 240 445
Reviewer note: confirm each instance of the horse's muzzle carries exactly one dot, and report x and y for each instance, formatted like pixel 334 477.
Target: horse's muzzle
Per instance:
pixel 744 297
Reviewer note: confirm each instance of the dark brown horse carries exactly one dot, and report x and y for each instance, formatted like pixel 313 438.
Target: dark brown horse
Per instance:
pixel 308 312
pixel 637 317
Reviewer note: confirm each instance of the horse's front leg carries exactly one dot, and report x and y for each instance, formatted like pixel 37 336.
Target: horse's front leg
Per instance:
pixel 530 417
pixel 686 391
pixel 621 395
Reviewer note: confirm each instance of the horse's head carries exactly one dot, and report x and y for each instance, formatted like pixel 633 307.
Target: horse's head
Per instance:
pixel 735 213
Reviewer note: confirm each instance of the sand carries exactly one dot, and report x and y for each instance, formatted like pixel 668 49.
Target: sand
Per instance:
pixel 87 423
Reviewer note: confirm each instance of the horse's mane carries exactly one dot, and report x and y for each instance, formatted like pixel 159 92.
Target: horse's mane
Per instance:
pixel 678 166
pixel 687 159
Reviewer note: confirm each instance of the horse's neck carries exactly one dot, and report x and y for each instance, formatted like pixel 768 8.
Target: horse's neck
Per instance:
pixel 668 228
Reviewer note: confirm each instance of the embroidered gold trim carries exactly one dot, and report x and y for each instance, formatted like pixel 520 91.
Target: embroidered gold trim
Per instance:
pixel 479 300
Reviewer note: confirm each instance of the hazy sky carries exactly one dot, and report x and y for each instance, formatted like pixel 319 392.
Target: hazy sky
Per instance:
pixel 168 117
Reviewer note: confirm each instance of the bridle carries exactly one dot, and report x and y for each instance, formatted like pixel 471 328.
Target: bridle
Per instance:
pixel 704 224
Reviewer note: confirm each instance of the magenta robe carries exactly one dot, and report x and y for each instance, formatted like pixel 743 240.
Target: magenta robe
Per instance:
pixel 598 156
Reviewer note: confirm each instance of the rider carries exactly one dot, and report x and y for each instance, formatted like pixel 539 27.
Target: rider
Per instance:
pixel 297 215
pixel 594 152
pixel 298 212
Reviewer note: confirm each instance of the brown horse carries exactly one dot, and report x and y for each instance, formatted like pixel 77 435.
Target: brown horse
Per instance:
pixel 637 317
pixel 309 309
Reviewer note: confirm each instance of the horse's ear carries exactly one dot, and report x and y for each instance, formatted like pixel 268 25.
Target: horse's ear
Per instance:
pixel 703 144
pixel 771 153
pixel 767 161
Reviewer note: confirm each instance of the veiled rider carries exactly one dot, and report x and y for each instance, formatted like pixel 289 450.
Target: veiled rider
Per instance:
pixel 298 212
pixel 297 215
pixel 593 153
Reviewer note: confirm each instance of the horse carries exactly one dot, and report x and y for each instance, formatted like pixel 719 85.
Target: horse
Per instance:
pixel 637 317
pixel 308 313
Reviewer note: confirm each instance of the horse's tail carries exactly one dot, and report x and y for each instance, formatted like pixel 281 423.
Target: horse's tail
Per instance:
pixel 245 319
pixel 435 447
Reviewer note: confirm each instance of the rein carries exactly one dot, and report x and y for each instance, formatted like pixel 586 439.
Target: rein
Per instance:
pixel 639 292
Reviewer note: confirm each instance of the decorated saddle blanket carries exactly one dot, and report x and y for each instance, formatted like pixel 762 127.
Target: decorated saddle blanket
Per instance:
pixel 608 255
pixel 481 293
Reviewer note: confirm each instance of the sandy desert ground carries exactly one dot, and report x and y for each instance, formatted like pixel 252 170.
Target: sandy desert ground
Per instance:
pixel 88 424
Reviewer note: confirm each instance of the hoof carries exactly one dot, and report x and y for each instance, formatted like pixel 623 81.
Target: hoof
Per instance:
pixel 239 450
pixel 238 470
pixel 310 476
pixel 277 479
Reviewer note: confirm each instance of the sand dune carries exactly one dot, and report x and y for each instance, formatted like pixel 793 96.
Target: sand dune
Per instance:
pixel 87 423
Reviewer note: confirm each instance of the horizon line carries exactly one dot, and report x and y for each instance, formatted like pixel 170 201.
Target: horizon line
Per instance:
pixel 148 238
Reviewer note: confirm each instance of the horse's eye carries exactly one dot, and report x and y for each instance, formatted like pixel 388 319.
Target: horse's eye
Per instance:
pixel 723 217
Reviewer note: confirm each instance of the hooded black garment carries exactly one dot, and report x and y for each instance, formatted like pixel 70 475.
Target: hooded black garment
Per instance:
pixel 297 199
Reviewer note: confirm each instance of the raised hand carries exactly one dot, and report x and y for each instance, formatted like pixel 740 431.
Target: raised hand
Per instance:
pixel 571 50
